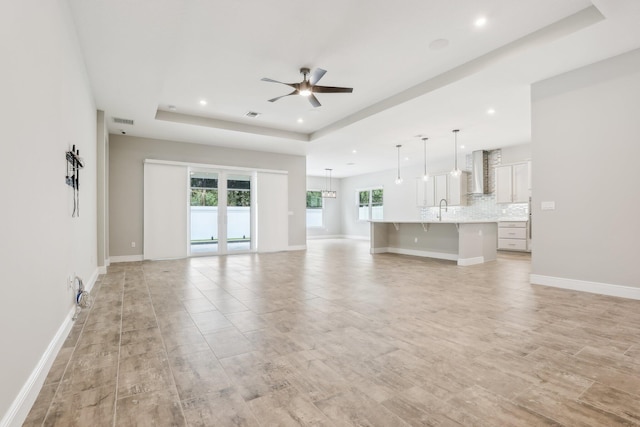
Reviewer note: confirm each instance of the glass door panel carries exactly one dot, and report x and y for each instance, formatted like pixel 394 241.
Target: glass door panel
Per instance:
pixel 204 213
pixel 238 213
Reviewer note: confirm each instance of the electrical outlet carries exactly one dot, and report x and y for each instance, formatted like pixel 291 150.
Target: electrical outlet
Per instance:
pixel 70 282
pixel 133 244
pixel 415 240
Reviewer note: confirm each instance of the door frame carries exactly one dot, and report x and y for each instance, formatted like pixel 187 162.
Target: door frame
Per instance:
pixel 223 172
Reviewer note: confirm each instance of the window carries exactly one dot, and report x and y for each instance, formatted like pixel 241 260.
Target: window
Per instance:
pixel 204 192
pixel 370 204
pixel 239 191
pixel 314 208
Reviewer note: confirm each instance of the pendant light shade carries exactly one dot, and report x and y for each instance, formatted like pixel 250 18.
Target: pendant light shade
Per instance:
pixel 455 172
pixel 425 176
pixel 329 194
pixel 398 179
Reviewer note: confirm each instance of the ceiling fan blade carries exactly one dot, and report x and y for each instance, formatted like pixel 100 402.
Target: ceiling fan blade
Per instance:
pixel 266 79
pixel 289 94
pixel 314 101
pixel 332 89
pixel 316 75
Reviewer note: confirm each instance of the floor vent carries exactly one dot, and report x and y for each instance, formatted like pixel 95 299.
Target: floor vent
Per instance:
pixel 252 114
pixel 122 121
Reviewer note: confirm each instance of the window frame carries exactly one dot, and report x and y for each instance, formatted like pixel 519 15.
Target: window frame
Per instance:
pixel 370 205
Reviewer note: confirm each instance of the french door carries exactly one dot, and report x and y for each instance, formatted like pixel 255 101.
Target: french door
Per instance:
pixel 220 212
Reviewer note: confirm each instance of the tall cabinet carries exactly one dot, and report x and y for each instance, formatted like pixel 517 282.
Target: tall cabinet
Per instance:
pixel 512 183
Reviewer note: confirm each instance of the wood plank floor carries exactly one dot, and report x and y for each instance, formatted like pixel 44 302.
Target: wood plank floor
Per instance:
pixel 334 336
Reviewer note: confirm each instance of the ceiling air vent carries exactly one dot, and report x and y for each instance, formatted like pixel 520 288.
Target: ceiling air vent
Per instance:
pixel 122 121
pixel 252 114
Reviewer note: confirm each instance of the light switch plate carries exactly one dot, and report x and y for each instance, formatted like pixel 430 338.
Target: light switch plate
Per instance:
pixel 548 206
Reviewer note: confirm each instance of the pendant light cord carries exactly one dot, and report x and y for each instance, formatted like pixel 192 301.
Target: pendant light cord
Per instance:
pixel 455 172
pixel 424 140
pixel 455 135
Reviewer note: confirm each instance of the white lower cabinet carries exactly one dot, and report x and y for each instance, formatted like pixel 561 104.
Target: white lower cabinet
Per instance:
pixel 512 235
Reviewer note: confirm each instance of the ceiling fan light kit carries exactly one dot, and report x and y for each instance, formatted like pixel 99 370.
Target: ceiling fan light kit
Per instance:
pixel 308 87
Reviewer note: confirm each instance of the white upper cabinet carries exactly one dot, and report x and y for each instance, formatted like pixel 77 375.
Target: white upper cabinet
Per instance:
pixel 438 187
pixel 512 183
pixel 425 192
pixel 457 189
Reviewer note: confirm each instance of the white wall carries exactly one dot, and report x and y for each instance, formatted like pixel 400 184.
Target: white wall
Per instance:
pixel 46 107
pixel 332 225
pixel 515 154
pixel 585 132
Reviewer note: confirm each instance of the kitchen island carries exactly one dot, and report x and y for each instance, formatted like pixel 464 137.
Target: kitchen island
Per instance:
pixel 466 242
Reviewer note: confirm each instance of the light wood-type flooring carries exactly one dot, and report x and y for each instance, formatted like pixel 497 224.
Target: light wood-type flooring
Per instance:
pixel 334 336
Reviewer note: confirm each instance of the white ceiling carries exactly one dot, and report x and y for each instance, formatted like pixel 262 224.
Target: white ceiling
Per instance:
pixel 143 56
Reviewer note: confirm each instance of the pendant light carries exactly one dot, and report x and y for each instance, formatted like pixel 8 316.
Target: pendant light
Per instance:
pixel 425 177
pixel 455 172
pixel 328 194
pixel 398 179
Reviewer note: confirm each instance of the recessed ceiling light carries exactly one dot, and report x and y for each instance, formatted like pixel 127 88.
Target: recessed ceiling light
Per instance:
pixel 491 111
pixel 438 44
pixel 462 147
pixel 480 22
pixel 354 151
pixel 203 102
pixel 406 159
pixel 300 120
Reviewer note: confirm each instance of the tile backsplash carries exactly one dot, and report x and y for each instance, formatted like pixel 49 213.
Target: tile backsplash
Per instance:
pixel 481 206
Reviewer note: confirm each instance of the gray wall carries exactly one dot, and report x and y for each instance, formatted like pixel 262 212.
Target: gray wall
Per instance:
pixel 46 107
pixel 331 208
pixel 126 156
pixel 585 129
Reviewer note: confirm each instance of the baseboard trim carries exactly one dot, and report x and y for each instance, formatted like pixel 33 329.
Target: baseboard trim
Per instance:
pixel 297 248
pixel 125 258
pixel 102 269
pixel 23 402
pixel 586 286
pixel 470 261
pixel 415 252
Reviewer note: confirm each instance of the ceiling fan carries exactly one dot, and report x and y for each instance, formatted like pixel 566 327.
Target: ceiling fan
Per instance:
pixel 308 86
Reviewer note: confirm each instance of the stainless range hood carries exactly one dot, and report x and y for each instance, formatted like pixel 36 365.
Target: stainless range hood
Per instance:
pixel 480 172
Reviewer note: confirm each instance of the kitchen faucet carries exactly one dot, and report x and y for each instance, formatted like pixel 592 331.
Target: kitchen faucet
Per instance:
pixel 446 208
